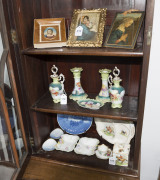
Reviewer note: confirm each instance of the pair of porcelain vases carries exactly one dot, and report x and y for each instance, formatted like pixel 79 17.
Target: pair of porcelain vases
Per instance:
pixel 114 94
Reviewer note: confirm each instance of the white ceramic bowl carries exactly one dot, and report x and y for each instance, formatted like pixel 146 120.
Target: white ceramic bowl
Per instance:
pixel 56 133
pixel 49 145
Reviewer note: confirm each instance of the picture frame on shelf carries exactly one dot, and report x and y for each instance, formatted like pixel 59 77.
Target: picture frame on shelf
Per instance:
pixel 49 33
pixel 124 30
pixel 87 27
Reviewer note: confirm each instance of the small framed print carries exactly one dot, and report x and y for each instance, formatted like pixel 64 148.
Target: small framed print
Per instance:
pixel 49 33
pixel 124 30
pixel 87 28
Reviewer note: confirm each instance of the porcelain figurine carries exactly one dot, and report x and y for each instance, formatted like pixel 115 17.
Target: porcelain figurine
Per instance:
pixel 78 92
pixel 104 93
pixel 56 88
pixel 103 152
pixel 116 91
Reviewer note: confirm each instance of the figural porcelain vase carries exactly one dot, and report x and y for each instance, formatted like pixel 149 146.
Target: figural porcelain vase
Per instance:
pixel 104 93
pixel 116 91
pixel 78 92
pixel 56 88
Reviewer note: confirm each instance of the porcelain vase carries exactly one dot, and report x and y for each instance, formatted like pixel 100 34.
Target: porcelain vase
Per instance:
pixel 116 91
pixel 56 88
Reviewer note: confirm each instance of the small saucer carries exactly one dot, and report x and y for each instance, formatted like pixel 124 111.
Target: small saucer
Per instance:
pixel 56 133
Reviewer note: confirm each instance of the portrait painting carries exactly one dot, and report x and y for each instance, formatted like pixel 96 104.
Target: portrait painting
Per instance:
pixel 87 28
pixel 124 30
pixel 49 32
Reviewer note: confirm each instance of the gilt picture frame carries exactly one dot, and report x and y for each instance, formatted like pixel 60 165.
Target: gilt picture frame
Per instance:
pixel 49 32
pixel 124 30
pixel 92 23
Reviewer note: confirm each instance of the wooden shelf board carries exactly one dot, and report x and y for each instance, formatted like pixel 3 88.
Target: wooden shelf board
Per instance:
pixel 127 112
pixel 86 162
pixel 103 51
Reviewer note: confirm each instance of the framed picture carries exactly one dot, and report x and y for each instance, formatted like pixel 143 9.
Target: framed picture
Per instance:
pixel 87 28
pixel 124 30
pixel 49 33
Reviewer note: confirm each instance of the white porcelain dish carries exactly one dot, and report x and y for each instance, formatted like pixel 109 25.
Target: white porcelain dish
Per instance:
pixel 49 145
pixel 56 133
pixel 115 132
pixel 86 146
pixel 67 142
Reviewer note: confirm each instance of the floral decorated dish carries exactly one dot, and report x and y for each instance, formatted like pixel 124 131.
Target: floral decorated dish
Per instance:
pixel 56 133
pixel 90 104
pixel 115 132
pixel 86 146
pixel 49 145
pixel 67 143
pixel 74 124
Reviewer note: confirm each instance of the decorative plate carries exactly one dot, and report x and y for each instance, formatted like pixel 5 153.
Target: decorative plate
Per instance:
pixel 114 132
pixel 74 124
pixel 90 104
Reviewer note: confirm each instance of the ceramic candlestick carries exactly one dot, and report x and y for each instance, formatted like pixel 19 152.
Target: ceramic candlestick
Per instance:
pixel 104 93
pixel 78 92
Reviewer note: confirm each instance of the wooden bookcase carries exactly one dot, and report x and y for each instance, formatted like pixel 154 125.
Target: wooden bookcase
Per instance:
pixel 32 71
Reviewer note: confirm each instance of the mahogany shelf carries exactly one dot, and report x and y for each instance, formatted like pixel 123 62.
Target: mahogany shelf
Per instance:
pixel 86 162
pixel 127 112
pixel 103 51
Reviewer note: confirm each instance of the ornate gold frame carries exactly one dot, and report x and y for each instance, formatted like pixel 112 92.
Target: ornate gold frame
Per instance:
pixel 99 34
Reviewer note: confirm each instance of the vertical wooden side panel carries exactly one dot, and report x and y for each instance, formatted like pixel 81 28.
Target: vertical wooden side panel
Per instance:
pixel 146 52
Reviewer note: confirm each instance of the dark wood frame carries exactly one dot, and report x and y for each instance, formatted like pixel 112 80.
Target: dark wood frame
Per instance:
pixel 28 61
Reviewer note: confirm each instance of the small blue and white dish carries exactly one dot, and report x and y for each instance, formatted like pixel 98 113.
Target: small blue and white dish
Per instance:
pixel 49 145
pixel 56 133
pixel 74 124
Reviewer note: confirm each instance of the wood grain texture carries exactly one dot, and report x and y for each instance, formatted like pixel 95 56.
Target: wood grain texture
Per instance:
pixel 127 112
pixel 40 168
pixel 138 52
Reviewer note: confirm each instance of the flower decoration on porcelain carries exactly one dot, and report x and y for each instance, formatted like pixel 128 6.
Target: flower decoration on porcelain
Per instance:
pixel 78 92
pixel 56 88
pixel 116 91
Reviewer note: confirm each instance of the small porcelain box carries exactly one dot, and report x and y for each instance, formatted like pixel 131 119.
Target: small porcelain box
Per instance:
pixel 86 146
pixel 103 152
pixel 67 142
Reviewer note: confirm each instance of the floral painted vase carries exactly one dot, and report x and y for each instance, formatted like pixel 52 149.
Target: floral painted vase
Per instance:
pixel 56 88
pixel 116 91
pixel 104 93
pixel 78 92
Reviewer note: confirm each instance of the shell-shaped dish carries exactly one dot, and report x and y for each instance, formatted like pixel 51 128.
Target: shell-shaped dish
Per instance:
pixel 67 143
pixel 49 145
pixel 86 146
pixel 56 133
